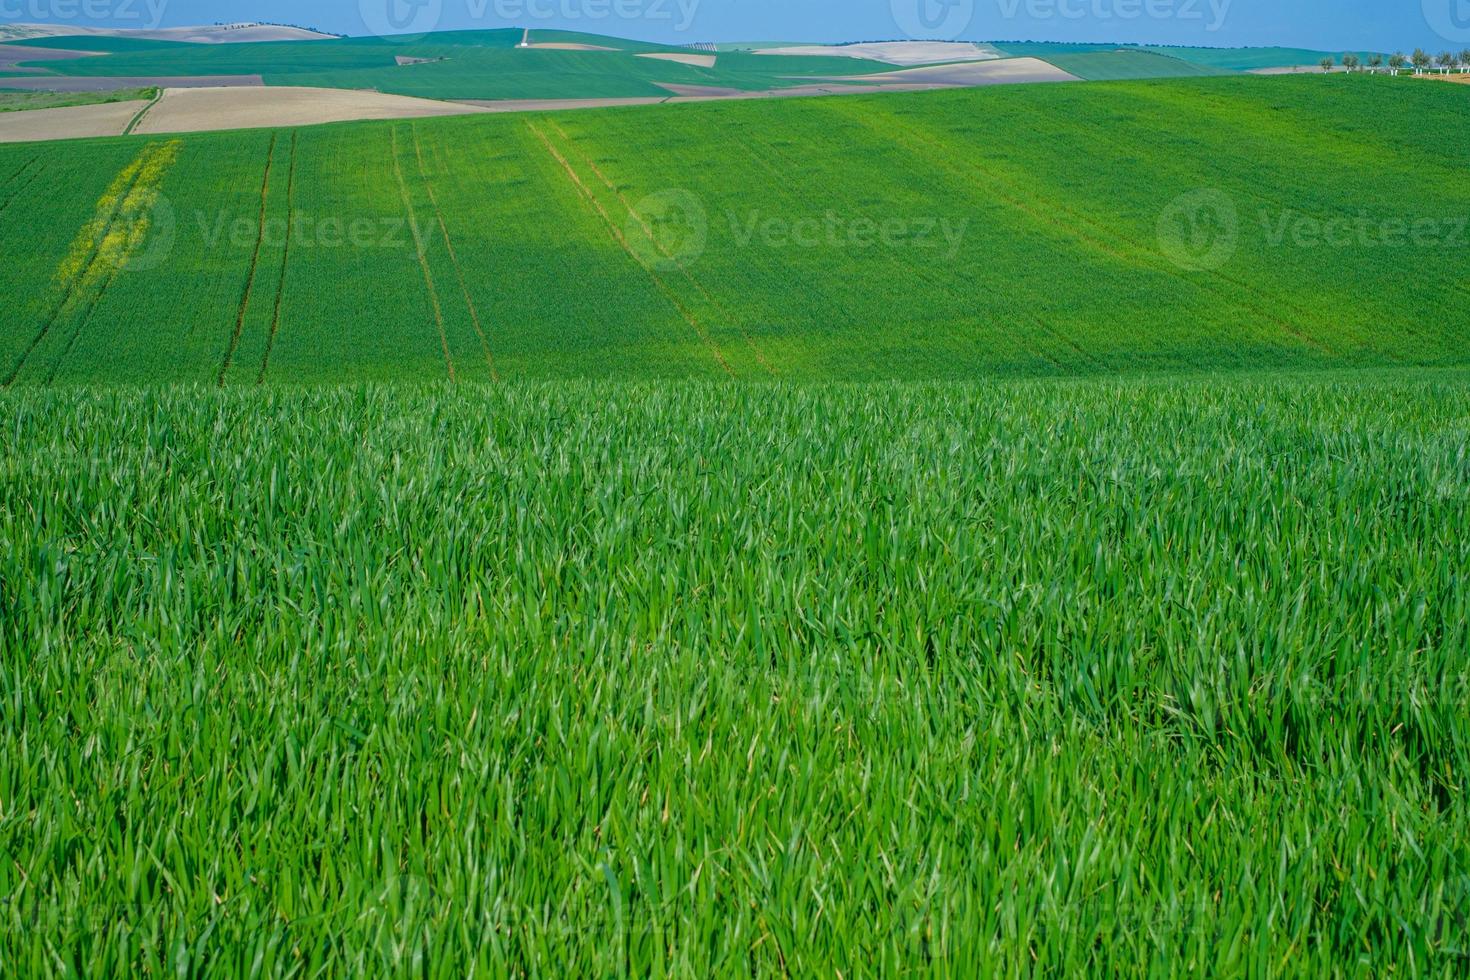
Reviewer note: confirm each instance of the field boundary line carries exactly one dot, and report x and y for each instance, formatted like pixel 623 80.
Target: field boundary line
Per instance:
pixel 653 240
pixel 270 340
pixel 265 185
pixel 418 244
pixel 453 256
pixel 622 241
pixel 137 118
pixel 96 230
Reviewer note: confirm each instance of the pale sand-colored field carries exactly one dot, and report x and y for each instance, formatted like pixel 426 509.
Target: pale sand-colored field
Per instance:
pixel 14 54
pixel 1010 71
pixel 693 60
pixel 562 46
pixel 72 122
pixel 199 110
pixel 204 34
pixel 903 53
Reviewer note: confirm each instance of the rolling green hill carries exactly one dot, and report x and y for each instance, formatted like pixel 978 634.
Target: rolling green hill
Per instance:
pixel 457 65
pixel 1031 230
pixel 1106 66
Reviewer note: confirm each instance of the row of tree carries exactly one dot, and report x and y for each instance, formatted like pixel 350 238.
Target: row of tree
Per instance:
pixel 1420 60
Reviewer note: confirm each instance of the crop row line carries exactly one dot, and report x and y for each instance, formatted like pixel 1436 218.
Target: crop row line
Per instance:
pixel 418 244
pixel 265 185
pixel 453 256
pixel 270 340
pixel 622 241
pixel 653 240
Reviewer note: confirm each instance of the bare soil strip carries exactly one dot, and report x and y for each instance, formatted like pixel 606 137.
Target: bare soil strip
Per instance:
pixel 454 257
pixel 67 122
pixel 653 240
pixel 265 185
pixel 12 55
pixel 196 110
pixel 905 53
pixel 622 241
pixel 418 244
pixel 692 60
pixel 113 83
pixel 565 46
pixel 270 340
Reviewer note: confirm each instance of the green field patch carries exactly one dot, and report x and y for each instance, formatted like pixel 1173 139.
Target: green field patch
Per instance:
pixel 1063 677
pixel 1028 230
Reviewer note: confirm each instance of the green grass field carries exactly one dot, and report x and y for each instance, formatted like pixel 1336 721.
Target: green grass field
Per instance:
pixel 1010 532
pixel 976 233
pixel 21 101
pixel 1153 677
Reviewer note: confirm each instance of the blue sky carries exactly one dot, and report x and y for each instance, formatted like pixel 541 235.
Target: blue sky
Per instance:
pixel 1329 24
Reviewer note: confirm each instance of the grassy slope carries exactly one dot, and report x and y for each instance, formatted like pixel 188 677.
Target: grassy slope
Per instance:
pixel 1059 192
pixel 20 101
pixel 1103 66
pixel 1146 678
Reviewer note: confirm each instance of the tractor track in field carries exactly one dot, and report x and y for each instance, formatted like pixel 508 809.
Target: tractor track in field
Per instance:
pixel 1095 237
pixel 68 289
pixel 15 194
pixel 265 186
pixel 270 340
pixel 19 192
pixel 653 240
pixel 82 321
pixel 622 242
pixel 418 244
pixel 135 221
pixel 453 256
